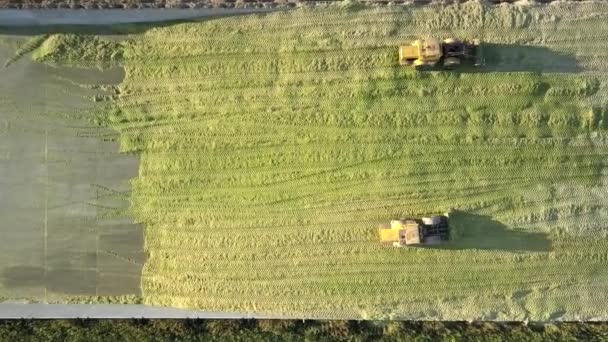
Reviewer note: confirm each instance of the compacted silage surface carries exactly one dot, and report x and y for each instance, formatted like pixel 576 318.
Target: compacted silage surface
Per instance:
pixel 272 147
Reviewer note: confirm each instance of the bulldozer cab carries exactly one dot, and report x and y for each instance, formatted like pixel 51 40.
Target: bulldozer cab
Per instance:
pixel 421 52
pixel 412 234
pixel 408 232
pixel 430 50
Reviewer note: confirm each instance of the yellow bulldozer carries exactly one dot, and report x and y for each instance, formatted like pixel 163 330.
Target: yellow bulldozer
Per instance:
pixel 416 232
pixel 449 53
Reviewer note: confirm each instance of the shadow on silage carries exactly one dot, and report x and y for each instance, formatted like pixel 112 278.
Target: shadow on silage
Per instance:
pixel 523 58
pixel 471 231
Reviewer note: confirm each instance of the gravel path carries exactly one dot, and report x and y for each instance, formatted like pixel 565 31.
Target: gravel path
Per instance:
pixel 11 17
pixel 20 310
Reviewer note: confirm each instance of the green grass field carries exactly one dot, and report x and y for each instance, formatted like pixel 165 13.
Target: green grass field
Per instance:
pixel 273 146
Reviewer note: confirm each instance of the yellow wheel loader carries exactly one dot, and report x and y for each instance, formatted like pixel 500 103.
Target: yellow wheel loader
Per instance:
pixel 416 232
pixel 449 53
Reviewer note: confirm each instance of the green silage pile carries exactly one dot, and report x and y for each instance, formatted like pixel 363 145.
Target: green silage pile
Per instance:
pixel 272 147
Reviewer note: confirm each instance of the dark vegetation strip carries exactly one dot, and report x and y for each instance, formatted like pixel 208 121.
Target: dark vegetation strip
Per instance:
pixel 293 330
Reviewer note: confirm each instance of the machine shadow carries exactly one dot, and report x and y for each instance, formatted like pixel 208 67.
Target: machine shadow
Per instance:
pixel 523 58
pixel 471 231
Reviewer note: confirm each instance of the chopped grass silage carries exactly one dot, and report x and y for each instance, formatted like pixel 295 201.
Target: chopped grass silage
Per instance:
pixel 78 50
pixel 272 147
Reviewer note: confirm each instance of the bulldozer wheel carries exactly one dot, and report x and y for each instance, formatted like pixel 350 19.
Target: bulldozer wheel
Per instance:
pixel 432 240
pixel 418 64
pixel 451 62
